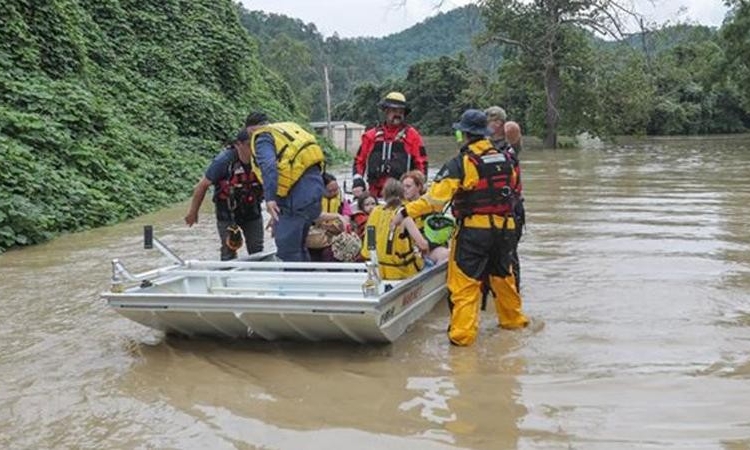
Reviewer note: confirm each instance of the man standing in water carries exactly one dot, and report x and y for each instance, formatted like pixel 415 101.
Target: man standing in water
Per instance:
pixel 483 185
pixel 237 197
pixel 390 149
pixel 506 135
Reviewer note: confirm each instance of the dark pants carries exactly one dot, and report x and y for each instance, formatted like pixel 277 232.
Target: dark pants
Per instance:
pixel 519 214
pixel 298 212
pixel 291 231
pixel 252 229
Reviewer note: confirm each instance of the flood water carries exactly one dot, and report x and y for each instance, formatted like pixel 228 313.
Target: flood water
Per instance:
pixel 636 274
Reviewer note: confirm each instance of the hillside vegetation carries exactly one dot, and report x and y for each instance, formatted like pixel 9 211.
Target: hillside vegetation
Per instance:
pixel 112 108
pixel 681 79
pixel 298 52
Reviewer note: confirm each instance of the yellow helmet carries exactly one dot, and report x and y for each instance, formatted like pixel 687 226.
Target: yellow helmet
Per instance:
pixel 395 100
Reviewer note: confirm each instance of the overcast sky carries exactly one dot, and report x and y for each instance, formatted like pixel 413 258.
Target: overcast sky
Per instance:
pixel 355 18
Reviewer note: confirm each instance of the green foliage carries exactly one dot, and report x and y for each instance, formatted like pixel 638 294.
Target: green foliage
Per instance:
pixel 112 108
pixel 693 95
pixel 678 79
pixel 434 88
pixel 735 36
pixel 610 93
pixel 362 105
pixel 299 52
pixel 548 37
pixel 669 81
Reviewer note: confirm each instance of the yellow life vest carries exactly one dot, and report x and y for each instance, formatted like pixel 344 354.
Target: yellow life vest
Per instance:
pixel 296 151
pixel 420 221
pixel 396 255
pixel 331 205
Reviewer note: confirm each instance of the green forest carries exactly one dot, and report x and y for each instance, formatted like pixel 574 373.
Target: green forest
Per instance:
pixel 680 79
pixel 112 108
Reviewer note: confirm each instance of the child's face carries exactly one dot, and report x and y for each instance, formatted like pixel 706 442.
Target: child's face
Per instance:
pixel 369 204
pixel 358 191
pixel 411 190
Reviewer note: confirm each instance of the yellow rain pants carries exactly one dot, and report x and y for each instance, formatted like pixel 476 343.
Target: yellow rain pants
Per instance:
pixel 479 254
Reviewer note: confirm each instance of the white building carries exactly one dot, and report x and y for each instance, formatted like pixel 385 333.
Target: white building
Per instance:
pixel 344 135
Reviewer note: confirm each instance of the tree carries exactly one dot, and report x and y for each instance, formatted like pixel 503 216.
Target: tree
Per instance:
pixel 361 106
pixel 433 89
pixel 293 61
pixel 736 36
pixel 544 32
pixel 623 92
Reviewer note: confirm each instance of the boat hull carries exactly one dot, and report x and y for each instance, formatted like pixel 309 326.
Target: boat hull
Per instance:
pixel 279 301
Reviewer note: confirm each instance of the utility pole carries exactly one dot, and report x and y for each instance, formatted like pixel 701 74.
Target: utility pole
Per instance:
pixel 328 101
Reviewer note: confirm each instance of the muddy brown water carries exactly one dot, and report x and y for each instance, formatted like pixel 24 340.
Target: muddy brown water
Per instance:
pixel 636 273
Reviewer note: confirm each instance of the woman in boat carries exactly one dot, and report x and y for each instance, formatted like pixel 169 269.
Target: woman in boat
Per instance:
pixel 414 187
pixel 395 249
pixel 333 220
pixel 333 203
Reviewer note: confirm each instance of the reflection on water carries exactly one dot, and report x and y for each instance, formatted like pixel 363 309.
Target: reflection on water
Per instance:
pixel 636 275
pixel 432 398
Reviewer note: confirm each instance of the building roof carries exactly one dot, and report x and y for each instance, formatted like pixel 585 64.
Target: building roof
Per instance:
pixel 337 124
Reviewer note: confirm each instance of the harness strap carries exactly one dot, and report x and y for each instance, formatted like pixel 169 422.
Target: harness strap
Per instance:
pixel 406 262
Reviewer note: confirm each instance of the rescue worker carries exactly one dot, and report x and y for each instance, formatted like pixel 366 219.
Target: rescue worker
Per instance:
pixel 482 182
pixel 395 246
pixel 506 135
pixel 237 196
pixel 290 162
pixel 391 148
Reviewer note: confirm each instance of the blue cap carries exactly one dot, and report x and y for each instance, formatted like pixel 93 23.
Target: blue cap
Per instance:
pixel 473 121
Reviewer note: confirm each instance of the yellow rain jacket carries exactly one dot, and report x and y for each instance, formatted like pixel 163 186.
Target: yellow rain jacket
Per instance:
pixel 481 248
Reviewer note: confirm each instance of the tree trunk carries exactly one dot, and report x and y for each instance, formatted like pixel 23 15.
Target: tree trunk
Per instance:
pixel 552 86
